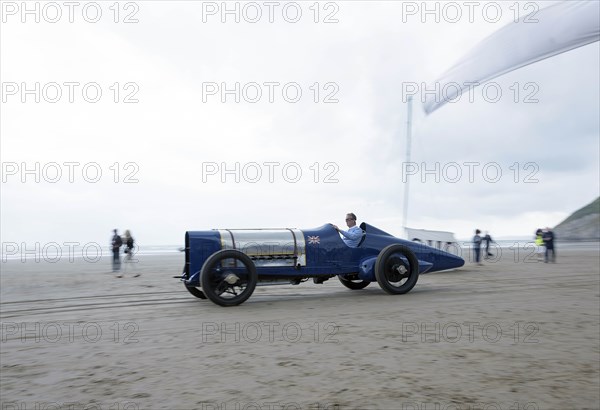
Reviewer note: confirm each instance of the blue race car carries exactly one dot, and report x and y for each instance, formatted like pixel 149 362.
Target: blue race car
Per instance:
pixel 225 265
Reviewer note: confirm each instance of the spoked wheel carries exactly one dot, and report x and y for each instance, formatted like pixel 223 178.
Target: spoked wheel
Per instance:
pixel 196 292
pixel 396 269
pixel 228 277
pixel 354 284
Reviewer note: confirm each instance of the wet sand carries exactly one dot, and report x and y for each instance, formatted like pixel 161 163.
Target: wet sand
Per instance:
pixel 513 334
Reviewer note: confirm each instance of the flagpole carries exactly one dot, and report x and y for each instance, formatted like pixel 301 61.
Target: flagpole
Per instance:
pixel 408 148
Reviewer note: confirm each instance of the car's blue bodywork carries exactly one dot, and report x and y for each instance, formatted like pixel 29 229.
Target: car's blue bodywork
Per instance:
pixel 291 255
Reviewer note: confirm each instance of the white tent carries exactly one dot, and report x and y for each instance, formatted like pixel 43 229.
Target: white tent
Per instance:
pixel 437 239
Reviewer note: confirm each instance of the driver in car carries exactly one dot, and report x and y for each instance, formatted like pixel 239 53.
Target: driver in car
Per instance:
pixel 352 236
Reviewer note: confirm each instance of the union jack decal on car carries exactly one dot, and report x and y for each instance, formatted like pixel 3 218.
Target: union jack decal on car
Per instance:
pixel 314 240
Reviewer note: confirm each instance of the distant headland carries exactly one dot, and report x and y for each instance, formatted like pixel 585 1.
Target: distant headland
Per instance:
pixel 581 225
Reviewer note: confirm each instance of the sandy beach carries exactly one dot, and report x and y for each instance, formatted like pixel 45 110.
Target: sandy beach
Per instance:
pixel 514 334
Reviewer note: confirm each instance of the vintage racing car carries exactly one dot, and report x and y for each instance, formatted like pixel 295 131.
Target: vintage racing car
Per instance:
pixel 226 265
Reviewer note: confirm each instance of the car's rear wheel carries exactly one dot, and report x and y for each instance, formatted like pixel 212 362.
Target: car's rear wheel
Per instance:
pixel 396 269
pixel 354 284
pixel 228 277
pixel 196 292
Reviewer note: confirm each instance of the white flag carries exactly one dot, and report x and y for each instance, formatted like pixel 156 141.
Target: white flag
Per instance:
pixel 559 28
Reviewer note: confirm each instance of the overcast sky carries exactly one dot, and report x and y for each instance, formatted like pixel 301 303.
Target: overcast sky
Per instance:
pixel 170 151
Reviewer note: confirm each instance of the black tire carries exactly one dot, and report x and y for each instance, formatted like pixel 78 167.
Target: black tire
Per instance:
pixel 196 292
pixel 354 284
pixel 395 275
pixel 213 277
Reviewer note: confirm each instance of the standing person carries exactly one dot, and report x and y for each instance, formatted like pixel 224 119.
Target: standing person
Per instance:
pixel 129 241
pixel 487 239
pixel 477 247
pixel 539 244
pixel 353 235
pixel 116 244
pixel 548 238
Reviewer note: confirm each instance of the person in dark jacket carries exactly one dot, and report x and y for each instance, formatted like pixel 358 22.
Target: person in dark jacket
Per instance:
pixel 116 243
pixel 548 238
pixel 477 247
pixel 487 239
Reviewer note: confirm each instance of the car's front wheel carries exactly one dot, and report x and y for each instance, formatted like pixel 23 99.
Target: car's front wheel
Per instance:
pixel 228 277
pixel 396 269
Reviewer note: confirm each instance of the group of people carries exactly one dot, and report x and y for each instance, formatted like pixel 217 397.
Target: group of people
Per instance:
pixel 544 242
pixel 116 243
pixel 478 242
